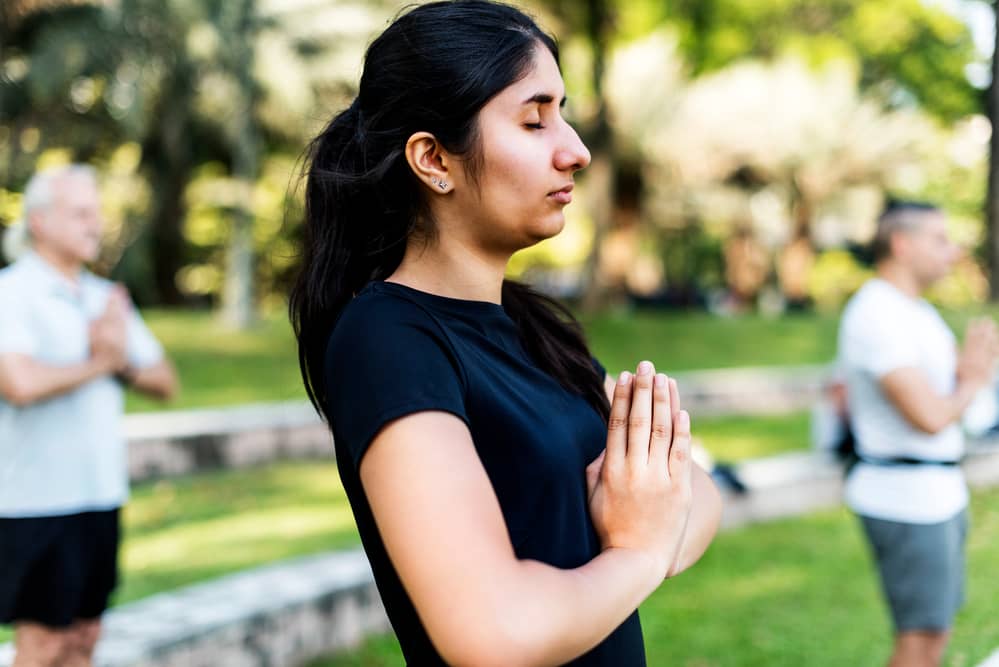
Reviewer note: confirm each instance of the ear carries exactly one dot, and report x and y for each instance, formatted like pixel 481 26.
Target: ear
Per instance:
pixel 35 224
pixel 429 161
pixel 898 243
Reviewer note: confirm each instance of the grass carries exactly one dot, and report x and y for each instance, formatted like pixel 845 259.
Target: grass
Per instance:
pixel 793 592
pixel 690 341
pixel 221 367
pixel 744 437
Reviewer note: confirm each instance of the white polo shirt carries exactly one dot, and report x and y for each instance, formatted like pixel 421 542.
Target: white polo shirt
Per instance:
pixel 884 329
pixel 65 454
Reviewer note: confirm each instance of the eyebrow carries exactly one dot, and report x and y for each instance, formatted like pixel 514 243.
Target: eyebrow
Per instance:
pixel 544 98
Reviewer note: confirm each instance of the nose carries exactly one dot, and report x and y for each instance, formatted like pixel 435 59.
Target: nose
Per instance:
pixel 572 154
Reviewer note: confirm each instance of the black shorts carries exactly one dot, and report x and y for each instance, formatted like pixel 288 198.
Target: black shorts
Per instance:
pixel 57 569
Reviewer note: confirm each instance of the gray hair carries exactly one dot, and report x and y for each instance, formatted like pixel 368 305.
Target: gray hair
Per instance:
pixel 899 217
pixel 38 196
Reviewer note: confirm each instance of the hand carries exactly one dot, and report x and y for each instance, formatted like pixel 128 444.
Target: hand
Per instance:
pixel 640 487
pixel 108 333
pixel 977 359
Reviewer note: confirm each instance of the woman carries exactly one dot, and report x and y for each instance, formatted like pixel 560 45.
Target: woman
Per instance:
pixel 512 516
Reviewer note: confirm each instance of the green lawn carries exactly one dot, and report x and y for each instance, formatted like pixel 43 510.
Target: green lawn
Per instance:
pixel 789 593
pixel 747 437
pixel 219 367
pixel 690 341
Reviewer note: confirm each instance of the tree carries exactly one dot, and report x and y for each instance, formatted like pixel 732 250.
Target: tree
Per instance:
pixel 992 192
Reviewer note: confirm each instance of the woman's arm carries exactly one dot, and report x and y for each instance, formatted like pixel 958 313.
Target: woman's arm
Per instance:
pixel 444 531
pixel 445 534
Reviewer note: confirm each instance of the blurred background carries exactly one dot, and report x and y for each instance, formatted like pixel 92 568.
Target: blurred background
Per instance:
pixel 742 150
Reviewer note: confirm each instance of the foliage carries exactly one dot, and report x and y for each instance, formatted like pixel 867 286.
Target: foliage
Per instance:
pixel 906 51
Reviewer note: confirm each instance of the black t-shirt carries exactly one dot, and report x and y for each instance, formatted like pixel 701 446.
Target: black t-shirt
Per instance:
pixel 396 351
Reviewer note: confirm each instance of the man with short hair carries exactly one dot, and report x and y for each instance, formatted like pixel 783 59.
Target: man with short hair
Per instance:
pixel 908 384
pixel 69 341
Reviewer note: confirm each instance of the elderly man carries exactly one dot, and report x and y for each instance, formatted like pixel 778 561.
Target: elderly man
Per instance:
pixel 908 384
pixel 69 342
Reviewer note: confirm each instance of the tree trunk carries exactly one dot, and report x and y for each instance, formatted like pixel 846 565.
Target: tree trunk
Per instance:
pixel 237 298
pixel 992 194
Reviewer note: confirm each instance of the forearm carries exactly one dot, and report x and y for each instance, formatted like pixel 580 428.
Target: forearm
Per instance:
pixel 705 515
pixel 158 380
pixel 943 410
pixel 921 405
pixel 542 615
pixel 25 381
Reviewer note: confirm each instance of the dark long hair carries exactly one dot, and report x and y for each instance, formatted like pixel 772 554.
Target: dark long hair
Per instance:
pixel 431 70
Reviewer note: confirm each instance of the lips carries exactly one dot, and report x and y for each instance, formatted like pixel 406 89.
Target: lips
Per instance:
pixel 562 196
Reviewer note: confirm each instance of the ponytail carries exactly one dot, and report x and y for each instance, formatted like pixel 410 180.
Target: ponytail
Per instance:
pixel 555 341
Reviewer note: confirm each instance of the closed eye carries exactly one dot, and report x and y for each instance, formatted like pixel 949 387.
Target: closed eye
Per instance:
pixel 534 126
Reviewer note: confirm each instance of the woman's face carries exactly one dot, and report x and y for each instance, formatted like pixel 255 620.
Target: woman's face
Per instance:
pixel 529 154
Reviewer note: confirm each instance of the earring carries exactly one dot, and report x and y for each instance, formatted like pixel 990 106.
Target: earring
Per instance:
pixel 443 185
pixel 434 180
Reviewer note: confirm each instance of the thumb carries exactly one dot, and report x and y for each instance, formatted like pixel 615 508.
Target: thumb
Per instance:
pixel 593 472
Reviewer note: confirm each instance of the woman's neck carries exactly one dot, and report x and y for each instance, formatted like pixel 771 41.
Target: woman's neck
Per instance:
pixel 452 270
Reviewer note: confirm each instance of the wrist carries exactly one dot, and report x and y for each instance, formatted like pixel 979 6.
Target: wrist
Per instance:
pixel 652 568
pixel 126 374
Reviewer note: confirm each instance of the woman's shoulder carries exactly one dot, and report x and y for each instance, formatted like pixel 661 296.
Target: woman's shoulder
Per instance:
pixel 378 317
pixel 378 304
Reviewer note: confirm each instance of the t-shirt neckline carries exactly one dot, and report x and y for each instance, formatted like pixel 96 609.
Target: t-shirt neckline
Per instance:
pixel 452 304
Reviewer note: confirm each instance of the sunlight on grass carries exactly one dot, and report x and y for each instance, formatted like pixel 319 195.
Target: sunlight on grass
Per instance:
pixel 745 437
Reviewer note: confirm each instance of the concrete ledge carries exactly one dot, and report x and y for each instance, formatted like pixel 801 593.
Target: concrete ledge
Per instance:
pixel 278 615
pixel 165 444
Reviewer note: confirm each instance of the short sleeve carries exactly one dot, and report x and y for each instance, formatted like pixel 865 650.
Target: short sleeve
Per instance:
pixel 142 347
pixel 387 358
pixel 15 324
pixel 874 343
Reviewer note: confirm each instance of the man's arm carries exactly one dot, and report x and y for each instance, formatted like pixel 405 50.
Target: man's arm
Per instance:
pixel 909 389
pixel 158 381
pixel 24 381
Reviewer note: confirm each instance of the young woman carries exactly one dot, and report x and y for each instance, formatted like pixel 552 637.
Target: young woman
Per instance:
pixel 514 513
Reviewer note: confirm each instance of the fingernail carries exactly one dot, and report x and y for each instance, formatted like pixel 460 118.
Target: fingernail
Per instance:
pixel 644 368
pixel 684 419
pixel 624 378
pixel 660 380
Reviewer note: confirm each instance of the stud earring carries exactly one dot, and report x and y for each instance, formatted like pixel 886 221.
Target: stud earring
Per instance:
pixel 434 180
pixel 443 185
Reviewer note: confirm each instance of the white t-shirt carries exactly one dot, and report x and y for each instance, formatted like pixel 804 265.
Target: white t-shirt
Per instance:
pixel 883 329
pixel 65 454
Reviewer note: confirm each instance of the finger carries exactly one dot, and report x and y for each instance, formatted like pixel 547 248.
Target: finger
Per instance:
pixel 679 451
pixel 662 423
pixel 617 422
pixel 640 417
pixel 674 400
